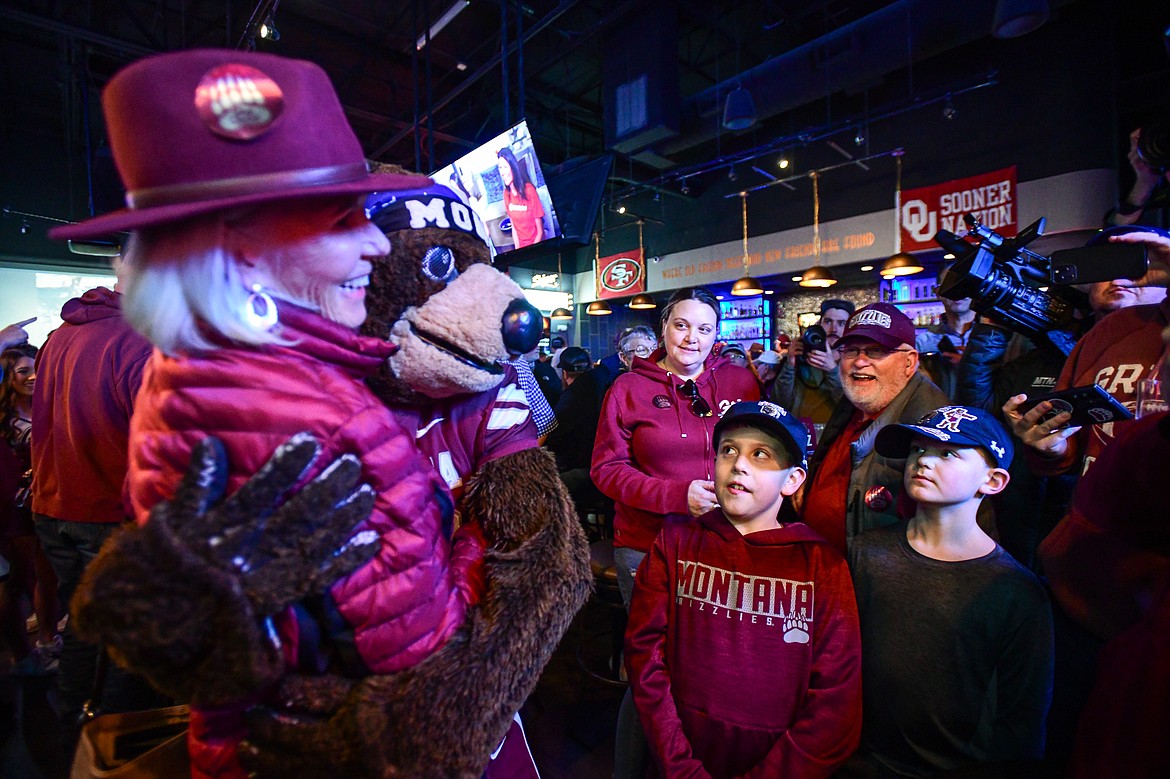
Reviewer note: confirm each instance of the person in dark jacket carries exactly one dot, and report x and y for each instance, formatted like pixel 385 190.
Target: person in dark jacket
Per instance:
pixel 572 439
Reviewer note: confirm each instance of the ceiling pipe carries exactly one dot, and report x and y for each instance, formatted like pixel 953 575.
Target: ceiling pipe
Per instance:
pixel 849 57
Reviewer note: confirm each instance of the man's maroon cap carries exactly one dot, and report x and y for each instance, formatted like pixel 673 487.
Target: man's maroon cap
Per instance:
pixel 198 131
pixel 881 323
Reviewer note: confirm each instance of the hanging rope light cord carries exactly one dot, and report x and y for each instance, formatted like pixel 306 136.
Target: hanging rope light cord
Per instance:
pixel 746 285
pixel 642 301
pixel 598 307
pixel 900 263
pixel 560 312
pixel 817 276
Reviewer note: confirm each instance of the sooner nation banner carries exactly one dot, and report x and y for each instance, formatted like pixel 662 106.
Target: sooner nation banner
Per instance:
pixel 991 197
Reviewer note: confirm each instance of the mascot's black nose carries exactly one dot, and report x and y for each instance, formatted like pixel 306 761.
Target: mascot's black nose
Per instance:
pixel 522 326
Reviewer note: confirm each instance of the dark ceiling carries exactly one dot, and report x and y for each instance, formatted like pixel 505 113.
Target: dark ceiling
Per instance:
pixel 424 108
pixel 52 50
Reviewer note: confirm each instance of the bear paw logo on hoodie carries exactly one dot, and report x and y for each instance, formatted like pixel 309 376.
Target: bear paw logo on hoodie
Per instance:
pixel 661 401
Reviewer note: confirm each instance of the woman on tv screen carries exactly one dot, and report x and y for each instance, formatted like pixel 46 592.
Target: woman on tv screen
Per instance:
pixel 521 200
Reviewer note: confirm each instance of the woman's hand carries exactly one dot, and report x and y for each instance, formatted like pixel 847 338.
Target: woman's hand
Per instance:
pixel 1037 429
pixel 701 497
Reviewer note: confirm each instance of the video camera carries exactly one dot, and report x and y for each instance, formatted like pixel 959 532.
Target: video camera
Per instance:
pixel 1021 289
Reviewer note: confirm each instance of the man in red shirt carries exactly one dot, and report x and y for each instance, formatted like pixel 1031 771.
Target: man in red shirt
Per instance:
pixel 851 488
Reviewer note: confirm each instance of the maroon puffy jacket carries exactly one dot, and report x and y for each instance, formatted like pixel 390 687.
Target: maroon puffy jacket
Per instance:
pixel 404 604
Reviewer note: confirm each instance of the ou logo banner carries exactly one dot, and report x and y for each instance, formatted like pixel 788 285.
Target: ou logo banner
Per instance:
pixel 621 274
pixel 919 221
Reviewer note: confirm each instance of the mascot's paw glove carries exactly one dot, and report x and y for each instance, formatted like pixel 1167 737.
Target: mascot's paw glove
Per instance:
pixel 416 723
pixel 183 599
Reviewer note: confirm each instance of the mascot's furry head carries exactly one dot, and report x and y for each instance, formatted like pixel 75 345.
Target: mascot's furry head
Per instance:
pixel 452 315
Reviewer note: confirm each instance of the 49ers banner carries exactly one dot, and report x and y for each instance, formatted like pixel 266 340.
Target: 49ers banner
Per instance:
pixel 621 275
pixel 991 197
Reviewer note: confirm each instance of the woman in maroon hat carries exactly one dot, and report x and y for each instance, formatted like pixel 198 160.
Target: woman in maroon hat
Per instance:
pixel 247 269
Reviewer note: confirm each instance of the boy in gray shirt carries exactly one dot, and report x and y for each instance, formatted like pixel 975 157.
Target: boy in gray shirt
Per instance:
pixel 956 635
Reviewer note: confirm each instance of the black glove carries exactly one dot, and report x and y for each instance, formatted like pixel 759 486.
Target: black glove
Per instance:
pixel 183 599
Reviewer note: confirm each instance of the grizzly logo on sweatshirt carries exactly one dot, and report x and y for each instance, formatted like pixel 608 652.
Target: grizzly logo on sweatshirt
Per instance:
pixel 766 600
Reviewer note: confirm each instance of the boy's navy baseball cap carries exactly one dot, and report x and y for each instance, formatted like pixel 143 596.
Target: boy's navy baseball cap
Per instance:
pixel 960 425
pixel 770 417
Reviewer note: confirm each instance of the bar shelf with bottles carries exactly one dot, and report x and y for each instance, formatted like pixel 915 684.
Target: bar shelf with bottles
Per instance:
pixel 745 320
pixel 915 298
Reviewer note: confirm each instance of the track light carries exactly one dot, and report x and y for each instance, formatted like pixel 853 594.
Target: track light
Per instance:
pixel 783 162
pixel 268 29
pixel 685 188
pixel 731 175
pixel 949 110
pixel 621 209
pixel 859 138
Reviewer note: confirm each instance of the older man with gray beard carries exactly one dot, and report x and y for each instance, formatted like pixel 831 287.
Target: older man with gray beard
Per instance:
pixel 851 488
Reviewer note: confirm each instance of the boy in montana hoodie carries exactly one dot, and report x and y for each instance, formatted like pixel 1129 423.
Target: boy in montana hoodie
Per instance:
pixel 743 644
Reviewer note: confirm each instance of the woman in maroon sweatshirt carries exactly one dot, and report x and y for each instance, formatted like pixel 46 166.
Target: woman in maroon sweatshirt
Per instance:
pixel 654 449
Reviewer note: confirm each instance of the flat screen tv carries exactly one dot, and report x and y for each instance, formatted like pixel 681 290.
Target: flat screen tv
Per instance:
pixel 503 183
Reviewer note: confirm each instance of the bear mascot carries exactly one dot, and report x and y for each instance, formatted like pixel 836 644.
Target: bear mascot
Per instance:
pixel 206 634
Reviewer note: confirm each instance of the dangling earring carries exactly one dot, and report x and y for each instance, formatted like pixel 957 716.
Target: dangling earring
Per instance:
pixel 260 309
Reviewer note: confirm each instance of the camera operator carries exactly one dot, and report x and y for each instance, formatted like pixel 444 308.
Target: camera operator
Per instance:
pixel 808 384
pixel 1149 156
pixel 955 327
pixel 997 365
pixel 1118 352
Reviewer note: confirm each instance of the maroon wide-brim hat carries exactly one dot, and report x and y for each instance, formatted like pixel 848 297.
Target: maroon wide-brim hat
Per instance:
pixel 198 131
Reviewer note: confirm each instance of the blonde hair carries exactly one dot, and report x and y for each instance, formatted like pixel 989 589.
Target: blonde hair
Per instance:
pixel 182 283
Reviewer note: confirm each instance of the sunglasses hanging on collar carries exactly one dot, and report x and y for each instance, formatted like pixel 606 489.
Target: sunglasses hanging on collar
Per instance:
pixel 699 407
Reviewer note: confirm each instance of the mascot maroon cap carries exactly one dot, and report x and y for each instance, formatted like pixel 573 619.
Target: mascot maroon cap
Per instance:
pixel 198 131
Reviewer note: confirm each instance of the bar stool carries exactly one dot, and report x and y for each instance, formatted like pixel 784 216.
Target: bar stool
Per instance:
pixel 606 593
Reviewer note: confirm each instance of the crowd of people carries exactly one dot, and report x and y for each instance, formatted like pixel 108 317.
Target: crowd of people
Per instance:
pixel 976 625
pixel 837 559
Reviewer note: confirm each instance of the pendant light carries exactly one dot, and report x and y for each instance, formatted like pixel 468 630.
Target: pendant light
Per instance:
pixel 746 285
pixel 560 312
pixel 597 307
pixel 817 275
pixel 642 301
pixel 900 263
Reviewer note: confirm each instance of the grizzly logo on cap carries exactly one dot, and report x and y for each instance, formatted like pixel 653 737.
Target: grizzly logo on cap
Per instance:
pixel 870 316
pixel 238 102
